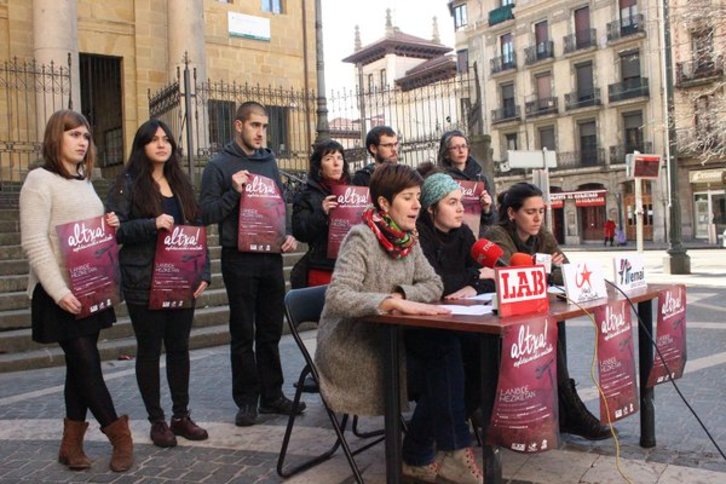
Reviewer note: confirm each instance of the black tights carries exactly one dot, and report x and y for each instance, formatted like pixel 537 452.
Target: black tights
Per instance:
pixel 85 388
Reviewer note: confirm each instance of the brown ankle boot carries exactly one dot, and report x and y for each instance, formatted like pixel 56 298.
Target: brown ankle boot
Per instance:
pixel 71 450
pixel 123 448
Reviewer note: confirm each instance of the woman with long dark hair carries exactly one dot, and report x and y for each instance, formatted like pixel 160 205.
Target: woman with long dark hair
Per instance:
pixel 57 193
pixel 521 229
pixel 151 195
pixel 311 212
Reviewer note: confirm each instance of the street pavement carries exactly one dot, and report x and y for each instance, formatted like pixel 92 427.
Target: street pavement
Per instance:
pixel 31 412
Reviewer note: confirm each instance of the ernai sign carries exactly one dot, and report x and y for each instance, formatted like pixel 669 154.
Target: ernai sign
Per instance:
pixel 521 290
pixel 629 271
pixel 643 166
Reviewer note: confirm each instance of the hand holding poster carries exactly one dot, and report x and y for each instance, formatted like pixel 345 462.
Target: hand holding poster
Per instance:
pixel 471 191
pixel 179 261
pixel 90 253
pixel 261 216
pixel 670 336
pixel 524 418
pixel 352 202
pixel 616 361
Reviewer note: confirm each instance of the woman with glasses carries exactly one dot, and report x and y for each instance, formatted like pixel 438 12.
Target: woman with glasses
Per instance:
pixel 455 159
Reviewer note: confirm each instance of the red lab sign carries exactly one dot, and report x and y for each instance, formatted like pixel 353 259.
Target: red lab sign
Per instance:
pixel 521 290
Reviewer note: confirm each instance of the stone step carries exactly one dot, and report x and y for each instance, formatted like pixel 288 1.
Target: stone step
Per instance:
pixel 14 282
pixel 13 267
pixel 11 252
pixel 9 214
pixel 9 238
pixel 19 340
pixel 52 355
pixel 9 226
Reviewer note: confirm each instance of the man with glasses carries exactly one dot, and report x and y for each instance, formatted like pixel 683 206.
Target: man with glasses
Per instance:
pixel 382 144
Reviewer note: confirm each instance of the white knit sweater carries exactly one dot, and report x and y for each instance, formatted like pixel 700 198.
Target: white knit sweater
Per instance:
pixel 47 200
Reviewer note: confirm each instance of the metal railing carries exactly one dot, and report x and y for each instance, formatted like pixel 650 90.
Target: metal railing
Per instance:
pixel 538 52
pixel 29 94
pixel 618 152
pixel 628 89
pixel 503 63
pixel 580 40
pixel 631 25
pixel 707 68
pixel 581 99
pixel 581 159
pixel 541 107
pixel 506 113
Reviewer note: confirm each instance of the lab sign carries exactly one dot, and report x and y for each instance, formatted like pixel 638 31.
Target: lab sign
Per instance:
pixel 521 290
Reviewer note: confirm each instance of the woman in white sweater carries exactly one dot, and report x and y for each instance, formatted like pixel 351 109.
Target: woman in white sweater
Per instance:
pixel 58 193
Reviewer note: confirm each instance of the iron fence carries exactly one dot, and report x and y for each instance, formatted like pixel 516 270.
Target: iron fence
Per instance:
pixel 29 93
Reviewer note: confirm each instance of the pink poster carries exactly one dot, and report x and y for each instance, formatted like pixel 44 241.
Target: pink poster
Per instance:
pixel 616 361
pixel 352 202
pixel 524 417
pixel 261 216
pixel 471 191
pixel 670 335
pixel 179 261
pixel 90 253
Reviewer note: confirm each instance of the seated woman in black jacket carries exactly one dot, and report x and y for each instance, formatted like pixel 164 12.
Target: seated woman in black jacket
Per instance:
pixel 311 209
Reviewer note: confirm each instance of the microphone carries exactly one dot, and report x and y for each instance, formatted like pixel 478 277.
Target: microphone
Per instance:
pixel 487 254
pixel 521 259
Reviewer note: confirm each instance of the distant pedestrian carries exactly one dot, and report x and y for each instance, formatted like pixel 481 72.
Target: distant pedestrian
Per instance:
pixel 382 144
pixel 609 232
pixel 150 196
pixel 620 237
pixel 57 193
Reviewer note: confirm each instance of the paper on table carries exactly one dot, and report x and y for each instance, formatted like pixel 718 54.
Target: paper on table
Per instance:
pixel 476 310
pixel 486 297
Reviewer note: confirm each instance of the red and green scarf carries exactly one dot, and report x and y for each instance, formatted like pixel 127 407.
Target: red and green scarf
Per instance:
pixel 396 242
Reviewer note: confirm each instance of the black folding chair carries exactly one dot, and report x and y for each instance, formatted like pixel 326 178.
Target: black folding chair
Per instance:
pixel 306 305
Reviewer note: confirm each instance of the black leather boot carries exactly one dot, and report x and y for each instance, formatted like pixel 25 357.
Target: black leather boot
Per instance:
pixel 575 418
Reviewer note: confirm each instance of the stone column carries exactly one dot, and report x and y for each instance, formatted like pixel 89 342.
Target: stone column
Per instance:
pixel 55 35
pixel 185 34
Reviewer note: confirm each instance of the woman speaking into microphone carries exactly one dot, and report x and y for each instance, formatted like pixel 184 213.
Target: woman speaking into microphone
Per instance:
pixel 521 229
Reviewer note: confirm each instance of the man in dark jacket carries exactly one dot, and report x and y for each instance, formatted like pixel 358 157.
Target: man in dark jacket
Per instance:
pixel 254 281
pixel 382 145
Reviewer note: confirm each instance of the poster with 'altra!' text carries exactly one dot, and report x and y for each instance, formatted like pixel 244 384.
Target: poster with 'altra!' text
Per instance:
pixel 261 216
pixel 670 336
pixel 352 202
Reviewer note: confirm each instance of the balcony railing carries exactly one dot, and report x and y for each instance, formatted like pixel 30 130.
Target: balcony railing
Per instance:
pixel 538 52
pixel 506 113
pixel 634 24
pixel 501 14
pixel 581 159
pixel 628 89
pixel 699 70
pixel 540 107
pixel 617 153
pixel 580 40
pixel 503 63
pixel 581 99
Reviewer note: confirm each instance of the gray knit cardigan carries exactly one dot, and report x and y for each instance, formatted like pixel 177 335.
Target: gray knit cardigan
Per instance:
pixel 349 354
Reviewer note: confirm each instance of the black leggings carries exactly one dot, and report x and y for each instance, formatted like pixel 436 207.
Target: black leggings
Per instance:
pixel 85 388
pixel 172 327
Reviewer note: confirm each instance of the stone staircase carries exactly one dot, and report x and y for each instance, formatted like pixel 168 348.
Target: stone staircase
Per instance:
pixel 19 352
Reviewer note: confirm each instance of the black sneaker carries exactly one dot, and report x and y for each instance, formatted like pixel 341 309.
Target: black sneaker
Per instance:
pixel 246 415
pixel 282 406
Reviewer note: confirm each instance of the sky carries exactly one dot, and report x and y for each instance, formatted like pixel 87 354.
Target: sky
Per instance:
pixel 340 17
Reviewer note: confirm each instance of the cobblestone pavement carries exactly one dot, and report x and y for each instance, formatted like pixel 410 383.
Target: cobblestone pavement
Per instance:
pixel 31 411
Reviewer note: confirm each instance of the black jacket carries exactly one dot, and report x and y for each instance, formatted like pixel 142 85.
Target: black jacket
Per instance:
pixel 362 177
pixel 472 172
pixel 137 234
pixel 218 200
pixel 448 254
pixel 310 224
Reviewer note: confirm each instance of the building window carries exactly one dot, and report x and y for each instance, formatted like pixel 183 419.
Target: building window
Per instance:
pixel 510 141
pixel 628 11
pixel 702 48
pixel 462 60
pixel 278 131
pixel 508 103
pixel 547 138
pixel 588 143
pixel 507 2
pixel 384 83
pixel 633 125
pixel 272 6
pixel 371 82
pixel 630 66
pixel 506 43
pixel 585 86
pixel 582 27
pixel 221 114
pixel 460 19
pixel 541 36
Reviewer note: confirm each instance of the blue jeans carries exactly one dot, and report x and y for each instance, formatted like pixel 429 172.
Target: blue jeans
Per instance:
pixel 437 378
